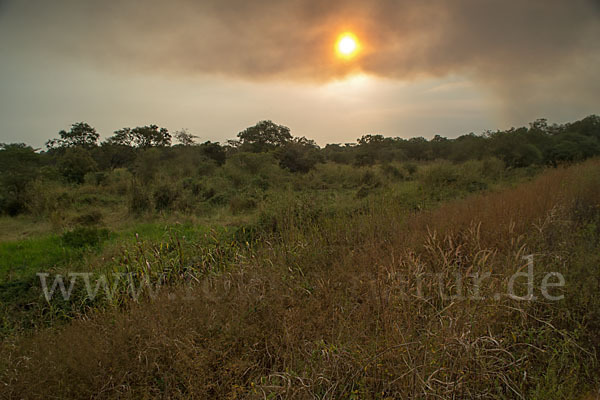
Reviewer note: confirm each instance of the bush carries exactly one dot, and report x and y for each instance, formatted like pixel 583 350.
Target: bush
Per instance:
pixel 298 157
pixel 146 165
pixel 193 185
pixel 75 164
pixel 139 201
pixel 164 197
pixel 240 203
pixel 95 178
pixel 493 168
pixel 411 168
pixel 85 237
pixel 370 179
pixel 250 163
pixel 442 174
pixel 12 205
pixel 43 198
pixel 93 217
pixel 392 172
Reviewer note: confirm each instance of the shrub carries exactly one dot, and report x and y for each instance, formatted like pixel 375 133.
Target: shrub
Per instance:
pixel 139 201
pixel 95 178
pixel 193 185
pixel 442 174
pixel 251 163
pixel 12 205
pixel 392 172
pixel 164 197
pixel 93 217
pixel 75 164
pixel 146 165
pixel 43 198
pixel 411 168
pixel 298 156
pixel 85 237
pixel 370 179
pixel 118 181
pixel 493 168
pixel 241 203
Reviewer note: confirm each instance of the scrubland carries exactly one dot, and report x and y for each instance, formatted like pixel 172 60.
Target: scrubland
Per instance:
pixel 326 295
pixel 269 267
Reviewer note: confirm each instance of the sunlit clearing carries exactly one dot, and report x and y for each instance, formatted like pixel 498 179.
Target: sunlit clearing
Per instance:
pixel 347 45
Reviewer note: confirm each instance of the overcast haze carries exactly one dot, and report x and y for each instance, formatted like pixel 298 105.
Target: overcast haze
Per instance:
pixel 216 67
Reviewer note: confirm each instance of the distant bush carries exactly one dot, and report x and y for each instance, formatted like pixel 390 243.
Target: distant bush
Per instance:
pixel 95 178
pixel 251 163
pixel 75 163
pixel 298 156
pixel 370 179
pixel 193 185
pixel 118 181
pixel 146 164
pixel 411 168
pixel 43 198
pixel 93 217
pixel 392 172
pixel 139 201
pixel 493 168
pixel 164 197
pixel 241 203
pixel 438 175
pixel 12 205
pixel 85 237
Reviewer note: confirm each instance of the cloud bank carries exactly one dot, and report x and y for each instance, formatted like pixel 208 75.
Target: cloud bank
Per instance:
pixel 524 51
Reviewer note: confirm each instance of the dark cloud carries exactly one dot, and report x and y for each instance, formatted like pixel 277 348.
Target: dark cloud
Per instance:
pixel 514 46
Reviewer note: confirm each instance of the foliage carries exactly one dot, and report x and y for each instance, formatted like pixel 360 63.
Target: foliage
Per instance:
pixel 80 134
pixel 76 163
pixel 320 302
pixel 141 137
pixel 185 138
pixel 85 237
pixel 18 168
pixel 298 155
pixel 264 136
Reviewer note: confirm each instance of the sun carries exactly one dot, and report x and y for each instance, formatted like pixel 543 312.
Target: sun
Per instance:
pixel 347 45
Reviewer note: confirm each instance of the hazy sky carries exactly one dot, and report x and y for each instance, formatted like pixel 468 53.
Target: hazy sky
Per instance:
pixel 217 66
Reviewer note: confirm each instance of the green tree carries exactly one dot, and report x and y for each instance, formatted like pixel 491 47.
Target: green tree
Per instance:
pixel 373 148
pixel 111 156
pixel 570 146
pixel 80 134
pixel 298 155
pixel 141 137
pixel 75 163
pixel 264 136
pixel 214 151
pixel 185 138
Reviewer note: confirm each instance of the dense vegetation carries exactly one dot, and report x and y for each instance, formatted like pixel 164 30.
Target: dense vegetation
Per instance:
pixel 291 271
pixel 156 175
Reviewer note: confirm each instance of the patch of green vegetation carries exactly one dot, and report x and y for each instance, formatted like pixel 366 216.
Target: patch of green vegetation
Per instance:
pixel 26 257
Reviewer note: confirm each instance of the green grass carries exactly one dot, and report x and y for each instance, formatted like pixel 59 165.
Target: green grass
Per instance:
pixel 24 258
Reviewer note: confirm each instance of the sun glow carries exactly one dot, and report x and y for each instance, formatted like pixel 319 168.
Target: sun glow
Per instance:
pixel 347 45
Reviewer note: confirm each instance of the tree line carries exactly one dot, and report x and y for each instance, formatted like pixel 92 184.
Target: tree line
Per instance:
pixel 78 152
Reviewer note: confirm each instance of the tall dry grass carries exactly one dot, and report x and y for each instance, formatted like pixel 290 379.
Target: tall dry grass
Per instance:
pixel 349 306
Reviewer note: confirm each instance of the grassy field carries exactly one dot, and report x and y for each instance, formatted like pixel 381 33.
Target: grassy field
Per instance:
pixel 323 293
